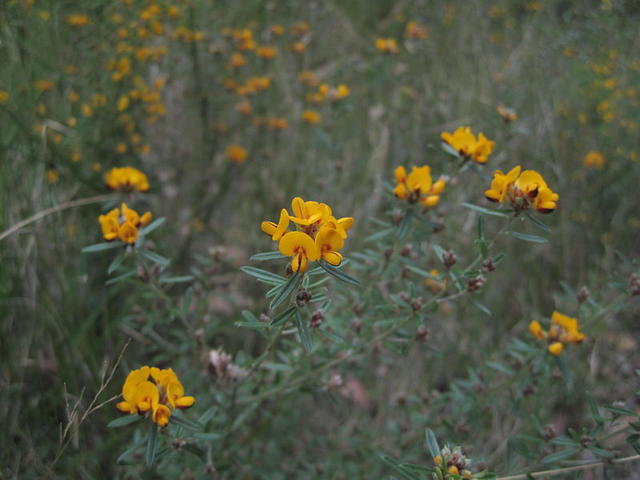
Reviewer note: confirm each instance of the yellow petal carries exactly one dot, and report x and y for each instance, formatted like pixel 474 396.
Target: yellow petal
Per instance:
pixel 146 219
pixel 161 415
pixel 299 263
pixel 400 174
pixel 329 239
pixel 185 402
pixel 334 258
pixel 269 228
pixel 298 242
pixel 556 348
pixel 430 201
pixel 283 224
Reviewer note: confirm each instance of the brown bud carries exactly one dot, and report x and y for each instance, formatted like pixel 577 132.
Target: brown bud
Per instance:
pixel 179 443
pixel 476 283
pixel 143 275
pixel 634 284
pixel 583 295
pixel 317 318
pixel 488 265
pixel 416 304
pixel 549 432
pixel 529 390
pixel 387 253
pixel 302 298
pixel 397 216
pixel 356 326
pixel 449 258
pixel 264 318
pixel 406 251
pixel 422 334
pixel 404 297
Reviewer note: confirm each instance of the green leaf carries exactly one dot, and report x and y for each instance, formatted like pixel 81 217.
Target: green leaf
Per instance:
pixel 303 332
pixel 567 374
pixel 565 441
pixel 264 276
pixel 181 421
pixel 284 316
pixel 484 309
pixel 255 325
pixel 561 455
pixel 186 302
pixel 537 222
pixel 486 211
pixel 154 257
pixel 405 225
pixel 123 421
pixel 419 271
pixel 100 247
pixel 152 445
pixel 338 273
pixel 450 150
pixel 481 241
pixel 182 279
pixel 275 255
pixel 432 443
pixel 119 278
pixel 622 411
pixel 379 235
pixel 116 262
pixel 287 290
pixel 129 451
pixel 528 238
pixel 398 467
pixel 500 367
pixel 152 226
pixel 207 436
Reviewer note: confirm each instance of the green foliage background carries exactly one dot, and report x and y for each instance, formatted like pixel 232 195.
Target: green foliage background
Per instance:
pixel 62 327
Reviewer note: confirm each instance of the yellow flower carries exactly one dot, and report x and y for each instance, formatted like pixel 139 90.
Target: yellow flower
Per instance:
pixel 141 395
pixel 387 45
pixel 555 348
pixel 308 78
pixel 418 186
pixel 466 144
pixel 52 176
pixel 328 242
pixel 266 52
pixel 298 47
pixel 416 31
pixel 523 190
pixel 237 60
pixel 43 85
pixel 299 29
pixel 507 114
pixel 501 183
pixel 432 284
pixel 236 153
pixel 278 123
pixel 277 30
pixel 4 97
pixel 123 103
pixel 593 159
pixel 123 223
pixel 301 247
pixel 563 330
pixel 126 179
pixel 536 330
pixel 277 231
pixel 77 20
pixel 311 117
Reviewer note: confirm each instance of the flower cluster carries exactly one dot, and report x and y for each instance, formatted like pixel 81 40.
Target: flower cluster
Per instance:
pixel 563 330
pixel 123 223
pixel 159 397
pixel 453 462
pixel 593 159
pixel 127 179
pixel 418 186
pixel 387 45
pixel 522 190
pixel 319 235
pixel 468 145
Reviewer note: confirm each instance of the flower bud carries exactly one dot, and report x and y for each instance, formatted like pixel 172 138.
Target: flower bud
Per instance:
pixel 476 283
pixel 583 295
pixel 316 319
pixel 449 258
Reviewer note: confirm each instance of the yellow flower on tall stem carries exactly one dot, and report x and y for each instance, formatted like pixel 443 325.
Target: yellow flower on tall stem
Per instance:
pixel 123 223
pixel 318 235
pixel 468 145
pixel 564 330
pixel 417 186
pixel 141 395
pixel 523 190
pixel 126 179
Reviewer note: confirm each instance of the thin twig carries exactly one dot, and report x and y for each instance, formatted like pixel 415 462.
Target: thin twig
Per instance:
pixel 58 208
pixel 559 471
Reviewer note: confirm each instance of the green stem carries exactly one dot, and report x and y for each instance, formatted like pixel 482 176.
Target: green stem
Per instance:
pixel 576 468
